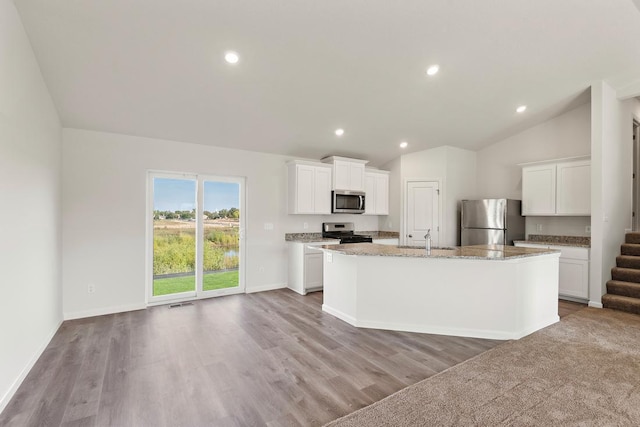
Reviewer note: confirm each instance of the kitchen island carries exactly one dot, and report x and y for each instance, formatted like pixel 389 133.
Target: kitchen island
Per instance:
pixel 486 291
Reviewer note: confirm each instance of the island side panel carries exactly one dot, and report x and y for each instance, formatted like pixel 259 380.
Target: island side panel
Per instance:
pixel 461 297
pixel 499 299
pixel 538 298
pixel 339 286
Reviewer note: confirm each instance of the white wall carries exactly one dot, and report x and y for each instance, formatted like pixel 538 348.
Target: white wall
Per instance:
pixel 30 254
pixel 104 204
pixel 455 168
pixel 460 185
pixel 611 194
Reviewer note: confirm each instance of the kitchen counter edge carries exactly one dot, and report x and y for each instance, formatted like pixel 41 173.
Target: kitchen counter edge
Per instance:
pixel 477 252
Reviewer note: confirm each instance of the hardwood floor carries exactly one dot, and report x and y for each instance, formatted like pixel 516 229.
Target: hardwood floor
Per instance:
pixel 271 358
pixel 567 307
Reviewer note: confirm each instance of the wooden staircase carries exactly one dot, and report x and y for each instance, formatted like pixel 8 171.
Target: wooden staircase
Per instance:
pixel 623 290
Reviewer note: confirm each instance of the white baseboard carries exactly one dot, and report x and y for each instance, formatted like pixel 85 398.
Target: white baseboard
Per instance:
pixel 16 384
pixel 340 315
pixel 103 311
pixel 595 304
pixel 263 288
pixel 438 330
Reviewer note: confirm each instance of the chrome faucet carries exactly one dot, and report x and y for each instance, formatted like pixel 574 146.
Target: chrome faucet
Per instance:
pixel 427 241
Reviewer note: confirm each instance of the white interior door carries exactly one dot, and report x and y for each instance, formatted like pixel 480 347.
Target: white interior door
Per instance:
pixel 422 212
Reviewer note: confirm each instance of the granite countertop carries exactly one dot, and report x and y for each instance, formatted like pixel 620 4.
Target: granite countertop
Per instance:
pixel 484 252
pixel 317 237
pixel 575 241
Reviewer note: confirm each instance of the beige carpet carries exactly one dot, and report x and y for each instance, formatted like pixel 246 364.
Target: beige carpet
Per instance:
pixel 584 371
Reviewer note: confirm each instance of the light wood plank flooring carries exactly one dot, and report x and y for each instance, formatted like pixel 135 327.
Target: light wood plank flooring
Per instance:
pixel 271 358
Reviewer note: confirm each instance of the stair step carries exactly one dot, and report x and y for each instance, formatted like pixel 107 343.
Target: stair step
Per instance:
pixel 625 289
pixel 630 249
pixel 633 237
pixel 621 303
pixel 628 261
pixel 625 274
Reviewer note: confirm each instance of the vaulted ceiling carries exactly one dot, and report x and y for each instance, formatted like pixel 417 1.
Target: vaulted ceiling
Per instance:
pixel 156 68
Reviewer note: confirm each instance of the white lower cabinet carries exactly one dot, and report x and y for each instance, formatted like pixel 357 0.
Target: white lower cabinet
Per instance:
pixel 305 266
pixel 574 270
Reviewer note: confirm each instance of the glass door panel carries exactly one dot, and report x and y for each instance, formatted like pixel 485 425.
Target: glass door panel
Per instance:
pixel 174 237
pixel 221 236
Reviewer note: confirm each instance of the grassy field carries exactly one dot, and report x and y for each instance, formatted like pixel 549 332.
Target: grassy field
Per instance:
pixel 174 247
pixel 211 281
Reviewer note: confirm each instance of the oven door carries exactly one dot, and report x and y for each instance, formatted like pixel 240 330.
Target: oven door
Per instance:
pixel 347 202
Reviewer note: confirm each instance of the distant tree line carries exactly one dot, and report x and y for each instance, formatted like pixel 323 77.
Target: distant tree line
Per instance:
pixel 231 213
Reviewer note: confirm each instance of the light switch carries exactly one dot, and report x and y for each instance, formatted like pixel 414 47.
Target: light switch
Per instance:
pixel 268 226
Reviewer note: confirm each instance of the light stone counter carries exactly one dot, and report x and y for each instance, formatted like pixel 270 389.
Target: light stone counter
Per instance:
pixel 482 252
pixel 461 291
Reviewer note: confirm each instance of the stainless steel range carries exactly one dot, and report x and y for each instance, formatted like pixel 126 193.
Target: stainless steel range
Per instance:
pixel 344 232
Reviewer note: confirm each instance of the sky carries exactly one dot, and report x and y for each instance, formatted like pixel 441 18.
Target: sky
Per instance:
pixel 180 195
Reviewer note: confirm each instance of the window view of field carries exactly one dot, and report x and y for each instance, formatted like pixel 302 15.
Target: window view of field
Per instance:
pixel 174 255
pixel 174 239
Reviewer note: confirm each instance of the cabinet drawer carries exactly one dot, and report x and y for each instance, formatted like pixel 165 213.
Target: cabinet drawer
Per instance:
pixel 571 252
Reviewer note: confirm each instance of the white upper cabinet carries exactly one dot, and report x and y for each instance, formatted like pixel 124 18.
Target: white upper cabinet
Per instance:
pixel 557 188
pixel 348 174
pixel 539 190
pixel 574 188
pixel 377 192
pixel 309 187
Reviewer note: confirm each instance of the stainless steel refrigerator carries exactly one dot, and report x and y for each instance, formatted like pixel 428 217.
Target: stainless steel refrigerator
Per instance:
pixel 491 222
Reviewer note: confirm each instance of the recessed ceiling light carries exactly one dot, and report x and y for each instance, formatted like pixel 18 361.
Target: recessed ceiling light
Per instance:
pixel 521 109
pixel 231 57
pixel 404 144
pixel 339 132
pixel 433 70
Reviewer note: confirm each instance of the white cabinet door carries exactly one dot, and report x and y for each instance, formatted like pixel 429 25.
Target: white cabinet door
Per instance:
pixel 356 177
pixel 574 278
pixel 574 188
pixel 348 175
pixel 322 191
pixel 376 189
pixel 539 190
pixel 341 175
pixel 309 188
pixel 305 183
pixel 313 271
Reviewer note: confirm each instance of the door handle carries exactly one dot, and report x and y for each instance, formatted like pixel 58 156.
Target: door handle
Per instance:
pixel 410 236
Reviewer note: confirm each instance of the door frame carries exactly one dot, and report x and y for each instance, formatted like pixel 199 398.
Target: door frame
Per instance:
pixel 404 211
pixel 199 293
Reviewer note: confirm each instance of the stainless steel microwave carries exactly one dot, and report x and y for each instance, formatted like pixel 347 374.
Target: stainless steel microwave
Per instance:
pixel 343 201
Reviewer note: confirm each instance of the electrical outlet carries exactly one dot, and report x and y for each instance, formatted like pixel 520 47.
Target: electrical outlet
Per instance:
pixel 305 225
pixel 538 227
pixel 91 288
pixel 389 224
pixel 587 229
pixel 268 226
pixel 329 257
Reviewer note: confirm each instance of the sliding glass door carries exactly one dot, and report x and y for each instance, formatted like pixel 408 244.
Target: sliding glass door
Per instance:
pixel 196 243
pixel 222 218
